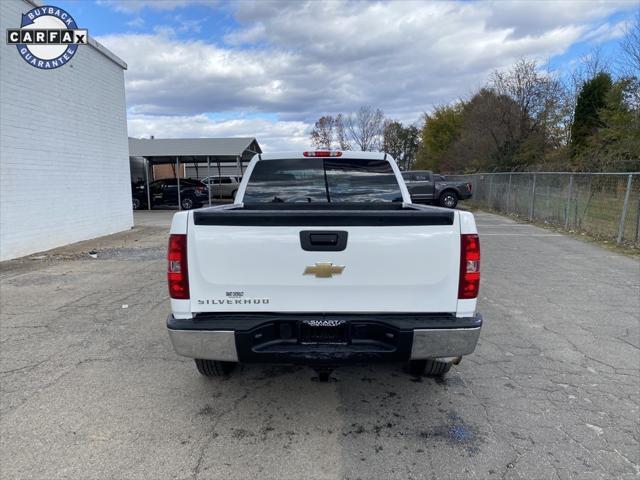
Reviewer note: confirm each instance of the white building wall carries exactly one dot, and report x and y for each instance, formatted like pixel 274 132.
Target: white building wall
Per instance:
pixel 64 160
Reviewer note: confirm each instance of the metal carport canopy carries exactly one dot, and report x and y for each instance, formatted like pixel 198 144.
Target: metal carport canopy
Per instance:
pixel 158 151
pixel 165 150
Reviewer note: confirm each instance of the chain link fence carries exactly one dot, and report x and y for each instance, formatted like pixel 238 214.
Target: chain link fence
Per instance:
pixel 605 205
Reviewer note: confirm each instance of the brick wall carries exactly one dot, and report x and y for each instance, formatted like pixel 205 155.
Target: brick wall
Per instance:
pixel 64 160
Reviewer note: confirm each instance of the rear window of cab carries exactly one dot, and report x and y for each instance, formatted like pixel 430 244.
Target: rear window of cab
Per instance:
pixel 322 180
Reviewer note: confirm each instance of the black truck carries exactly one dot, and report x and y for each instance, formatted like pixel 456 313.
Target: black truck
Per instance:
pixel 426 187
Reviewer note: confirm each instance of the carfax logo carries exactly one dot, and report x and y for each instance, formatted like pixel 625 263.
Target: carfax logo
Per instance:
pixel 48 37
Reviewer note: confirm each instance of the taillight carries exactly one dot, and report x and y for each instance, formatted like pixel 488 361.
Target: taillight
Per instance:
pixel 177 274
pixel 322 153
pixel 470 187
pixel 469 266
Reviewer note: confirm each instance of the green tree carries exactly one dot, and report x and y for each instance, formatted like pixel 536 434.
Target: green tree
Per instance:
pixel 615 146
pixel 441 130
pixel 590 102
pixel 411 144
pixel 392 142
pixel 400 142
pixel 490 138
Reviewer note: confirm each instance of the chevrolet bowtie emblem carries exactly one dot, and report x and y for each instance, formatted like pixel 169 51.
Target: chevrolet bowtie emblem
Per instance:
pixel 324 270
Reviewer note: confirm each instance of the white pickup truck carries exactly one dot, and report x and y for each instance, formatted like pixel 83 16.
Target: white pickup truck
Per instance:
pixel 323 260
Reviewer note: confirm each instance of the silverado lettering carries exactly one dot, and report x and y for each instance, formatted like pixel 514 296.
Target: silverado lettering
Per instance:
pixel 239 301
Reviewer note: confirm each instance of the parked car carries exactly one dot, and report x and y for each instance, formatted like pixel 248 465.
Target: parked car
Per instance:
pixel 426 187
pixel 335 266
pixel 225 186
pixel 193 193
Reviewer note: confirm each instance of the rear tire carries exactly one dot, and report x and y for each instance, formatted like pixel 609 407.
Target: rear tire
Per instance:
pixel 448 199
pixel 430 368
pixel 136 204
pixel 214 368
pixel 187 203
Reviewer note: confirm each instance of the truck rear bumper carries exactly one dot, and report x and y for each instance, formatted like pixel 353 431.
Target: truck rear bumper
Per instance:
pixel 295 338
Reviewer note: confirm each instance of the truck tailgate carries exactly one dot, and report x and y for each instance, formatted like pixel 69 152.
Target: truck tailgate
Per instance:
pixel 258 268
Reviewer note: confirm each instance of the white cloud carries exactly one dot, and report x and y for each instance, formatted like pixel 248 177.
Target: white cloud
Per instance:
pixel 534 17
pixel 272 136
pixel 170 76
pixel 301 60
pixel 607 31
pixel 136 22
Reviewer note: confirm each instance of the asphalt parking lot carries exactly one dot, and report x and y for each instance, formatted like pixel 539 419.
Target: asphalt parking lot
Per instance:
pixel 92 389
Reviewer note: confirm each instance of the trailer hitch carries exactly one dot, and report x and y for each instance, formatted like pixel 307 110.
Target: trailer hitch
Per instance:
pixel 324 375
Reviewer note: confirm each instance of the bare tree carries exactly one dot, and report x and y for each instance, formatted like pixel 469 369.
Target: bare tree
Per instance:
pixel 534 93
pixel 341 134
pixel 538 98
pixel 364 128
pixel 322 133
pixel 630 45
pixel 590 65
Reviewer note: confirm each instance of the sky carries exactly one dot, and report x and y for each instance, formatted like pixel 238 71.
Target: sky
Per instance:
pixel 270 69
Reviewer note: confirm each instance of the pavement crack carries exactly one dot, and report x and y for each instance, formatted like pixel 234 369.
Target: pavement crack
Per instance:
pixel 212 434
pixel 622 339
pixel 26 367
pixel 635 466
pixel 581 445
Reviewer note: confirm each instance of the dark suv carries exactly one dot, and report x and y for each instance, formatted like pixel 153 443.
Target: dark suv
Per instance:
pixel 193 193
pixel 426 187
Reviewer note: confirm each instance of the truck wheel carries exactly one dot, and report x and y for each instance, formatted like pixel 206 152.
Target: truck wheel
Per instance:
pixel 214 368
pixel 431 368
pixel 449 199
pixel 136 204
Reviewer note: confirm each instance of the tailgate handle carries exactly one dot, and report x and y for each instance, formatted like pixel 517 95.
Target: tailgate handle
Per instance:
pixel 323 238
pixel 323 241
